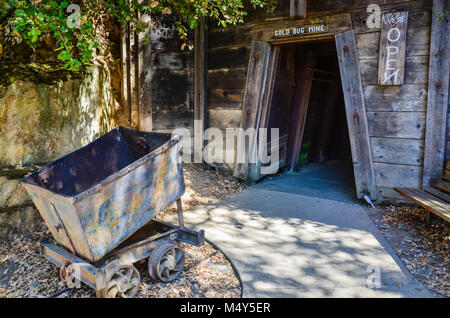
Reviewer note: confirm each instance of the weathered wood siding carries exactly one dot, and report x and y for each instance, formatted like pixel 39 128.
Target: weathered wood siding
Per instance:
pixel 447 150
pixel 171 79
pixel 396 115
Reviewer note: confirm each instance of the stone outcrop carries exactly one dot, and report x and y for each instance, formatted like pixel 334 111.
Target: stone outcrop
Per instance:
pixel 17 213
pixel 40 122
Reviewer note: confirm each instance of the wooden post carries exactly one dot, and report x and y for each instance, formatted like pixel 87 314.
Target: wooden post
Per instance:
pixel 134 78
pixel 438 87
pixel 127 106
pixel 356 115
pixel 272 74
pixel 180 213
pixel 251 111
pixel 123 67
pixel 300 108
pixel 200 85
pixel 145 78
pixel 298 9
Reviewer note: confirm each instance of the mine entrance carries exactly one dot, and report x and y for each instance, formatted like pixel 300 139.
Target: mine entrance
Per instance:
pixel 308 107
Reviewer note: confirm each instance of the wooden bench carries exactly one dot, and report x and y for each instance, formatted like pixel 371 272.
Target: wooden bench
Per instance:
pixel 434 198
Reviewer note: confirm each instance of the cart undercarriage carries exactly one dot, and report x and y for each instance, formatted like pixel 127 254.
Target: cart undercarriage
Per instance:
pixel 114 275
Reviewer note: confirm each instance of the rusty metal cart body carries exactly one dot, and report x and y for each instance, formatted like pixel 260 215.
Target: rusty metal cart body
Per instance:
pixel 99 203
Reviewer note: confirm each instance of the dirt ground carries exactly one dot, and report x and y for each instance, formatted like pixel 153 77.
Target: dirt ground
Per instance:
pixel 424 249
pixel 208 273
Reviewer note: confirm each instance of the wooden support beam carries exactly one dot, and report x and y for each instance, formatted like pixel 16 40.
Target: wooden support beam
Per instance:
pixel 272 73
pixel 145 78
pixel 251 111
pixel 123 67
pixel 300 103
pixel 200 86
pixel 322 71
pixel 127 106
pixel 298 9
pixel 356 115
pixel 438 89
pixel 134 77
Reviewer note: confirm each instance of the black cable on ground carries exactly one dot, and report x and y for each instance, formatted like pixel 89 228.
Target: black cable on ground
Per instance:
pixel 232 265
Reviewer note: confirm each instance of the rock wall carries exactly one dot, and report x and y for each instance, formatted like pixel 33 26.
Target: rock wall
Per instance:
pixel 40 123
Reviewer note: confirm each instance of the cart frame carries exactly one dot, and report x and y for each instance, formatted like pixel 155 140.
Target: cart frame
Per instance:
pixel 155 234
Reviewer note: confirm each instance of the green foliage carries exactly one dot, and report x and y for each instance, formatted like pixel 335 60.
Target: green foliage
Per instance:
pixel 74 32
pixel 441 15
pixel 305 152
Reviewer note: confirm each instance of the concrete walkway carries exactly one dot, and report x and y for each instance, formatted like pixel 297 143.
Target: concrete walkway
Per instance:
pixel 291 245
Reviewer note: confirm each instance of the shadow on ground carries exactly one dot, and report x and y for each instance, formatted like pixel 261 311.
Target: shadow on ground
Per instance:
pixel 290 245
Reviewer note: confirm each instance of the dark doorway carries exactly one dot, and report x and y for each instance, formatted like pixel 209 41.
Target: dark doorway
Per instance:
pixel 308 107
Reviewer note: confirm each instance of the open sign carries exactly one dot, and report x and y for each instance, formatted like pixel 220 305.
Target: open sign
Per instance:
pixel 391 69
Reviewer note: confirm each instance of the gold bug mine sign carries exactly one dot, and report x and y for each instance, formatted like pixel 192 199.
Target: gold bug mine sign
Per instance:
pixel 300 30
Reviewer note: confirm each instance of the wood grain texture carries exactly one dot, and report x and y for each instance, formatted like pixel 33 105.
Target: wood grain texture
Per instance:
pixel 272 75
pixel 316 7
pixel 228 58
pixel 200 86
pixel 397 124
pixel 438 89
pixel 239 35
pixel 298 8
pixel 409 97
pixel 300 103
pixel 233 78
pixel 418 43
pixel 333 24
pixel 123 67
pixel 145 79
pixel 167 120
pixel 415 70
pixel 251 110
pixel 225 95
pixel 224 118
pixel 394 28
pixel 127 106
pixel 437 193
pixel 428 201
pixel 419 15
pixel 134 78
pixel 394 175
pixel 397 151
pixel 356 114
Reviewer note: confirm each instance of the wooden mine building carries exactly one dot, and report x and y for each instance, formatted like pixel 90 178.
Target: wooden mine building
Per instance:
pixel 338 80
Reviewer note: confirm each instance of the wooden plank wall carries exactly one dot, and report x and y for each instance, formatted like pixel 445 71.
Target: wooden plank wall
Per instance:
pixel 447 150
pixel 172 83
pixel 396 114
pixel 438 87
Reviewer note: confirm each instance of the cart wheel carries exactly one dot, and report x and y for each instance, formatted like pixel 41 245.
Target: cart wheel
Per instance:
pixel 66 273
pixel 166 262
pixel 124 282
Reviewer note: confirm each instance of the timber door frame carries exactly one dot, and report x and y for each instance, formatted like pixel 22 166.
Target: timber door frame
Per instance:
pixel 258 91
pixel 438 96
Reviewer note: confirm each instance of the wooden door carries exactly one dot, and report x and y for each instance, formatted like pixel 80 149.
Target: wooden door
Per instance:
pixel 356 115
pixel 262 59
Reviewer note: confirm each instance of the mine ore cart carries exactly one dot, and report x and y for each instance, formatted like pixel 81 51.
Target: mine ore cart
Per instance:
pixel 100 203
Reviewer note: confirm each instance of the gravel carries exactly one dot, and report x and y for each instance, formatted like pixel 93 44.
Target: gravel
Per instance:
pixel 424 249
pixel 207 273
